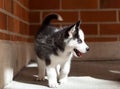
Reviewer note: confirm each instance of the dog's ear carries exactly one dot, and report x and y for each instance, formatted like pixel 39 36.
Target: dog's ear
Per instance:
pixel 78 24
pixel 72 30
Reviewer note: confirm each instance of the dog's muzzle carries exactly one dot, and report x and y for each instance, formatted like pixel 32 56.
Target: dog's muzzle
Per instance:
pixel 78 53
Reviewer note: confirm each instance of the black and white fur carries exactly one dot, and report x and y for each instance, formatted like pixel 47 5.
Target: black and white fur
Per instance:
pixel 55 48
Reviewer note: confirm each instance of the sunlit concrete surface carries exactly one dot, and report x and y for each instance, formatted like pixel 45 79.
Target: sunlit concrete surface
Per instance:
pixel 83 75
pixel 85 82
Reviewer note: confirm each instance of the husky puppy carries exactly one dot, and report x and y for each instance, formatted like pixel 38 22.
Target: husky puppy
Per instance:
pixel 55 48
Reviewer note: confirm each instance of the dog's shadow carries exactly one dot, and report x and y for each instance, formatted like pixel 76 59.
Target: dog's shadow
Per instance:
pixel 78 69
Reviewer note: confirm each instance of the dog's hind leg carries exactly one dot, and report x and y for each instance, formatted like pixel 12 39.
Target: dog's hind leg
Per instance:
pixel 41 69
pixel 58 70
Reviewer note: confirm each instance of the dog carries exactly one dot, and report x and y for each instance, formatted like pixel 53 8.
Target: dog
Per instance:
pixel 55 48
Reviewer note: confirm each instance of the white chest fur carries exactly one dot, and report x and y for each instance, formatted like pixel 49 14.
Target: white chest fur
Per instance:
pixel 61 58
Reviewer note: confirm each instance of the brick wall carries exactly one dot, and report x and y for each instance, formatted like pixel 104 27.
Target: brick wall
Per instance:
pixel 14 20
pixel 100 18
pixel 20 19
pixel 16 48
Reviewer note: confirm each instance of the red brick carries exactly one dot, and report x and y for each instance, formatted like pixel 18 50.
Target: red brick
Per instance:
pixel 69 16
pixel 24 14
pixel 16 38
pixel 20 12
pixel 17 10
pixel 109 3
pixel 98 16
pixel 21 28
pixel 34 17
pixel 10 24
pixel 4 36
pixel 89 29
pixel 101 39
pixel 44 4
pixel 12 38
pixel 79 4
pixel 33 29
pixel 1 3
pixel 119 15
pixel 3 21
pixel 22 39
pixel 25 3
pixel 1 35
pixel 30 40
pixel 24 28
pixel 110 29
pixel 8 4
pixel 16 26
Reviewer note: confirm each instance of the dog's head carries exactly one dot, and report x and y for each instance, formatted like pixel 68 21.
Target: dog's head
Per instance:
pixel 75 40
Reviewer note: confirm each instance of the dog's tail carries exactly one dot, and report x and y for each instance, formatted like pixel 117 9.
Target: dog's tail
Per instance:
pixel 50 17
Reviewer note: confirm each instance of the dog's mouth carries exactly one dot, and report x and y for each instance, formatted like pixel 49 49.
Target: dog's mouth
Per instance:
pixel 78 53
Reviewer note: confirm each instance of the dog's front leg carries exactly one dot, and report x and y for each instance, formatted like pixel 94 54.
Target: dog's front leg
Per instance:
pixel 65 69
pixel 52 77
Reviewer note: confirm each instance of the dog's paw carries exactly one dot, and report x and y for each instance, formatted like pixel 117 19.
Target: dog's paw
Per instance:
pixel 63 80
pixel 40 79
pixel 53 84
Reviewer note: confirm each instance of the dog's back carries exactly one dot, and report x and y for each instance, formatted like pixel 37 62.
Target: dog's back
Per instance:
pixel 44 43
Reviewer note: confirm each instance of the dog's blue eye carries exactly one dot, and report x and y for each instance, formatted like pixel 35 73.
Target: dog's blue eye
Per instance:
pixel 79 41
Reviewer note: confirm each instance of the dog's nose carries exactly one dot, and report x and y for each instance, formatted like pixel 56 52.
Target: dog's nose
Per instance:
pixel 87 49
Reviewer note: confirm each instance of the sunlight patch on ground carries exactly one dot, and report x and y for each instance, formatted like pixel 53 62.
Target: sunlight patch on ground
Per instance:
pixel 32 65
pixel 85 82
pixel 114 71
